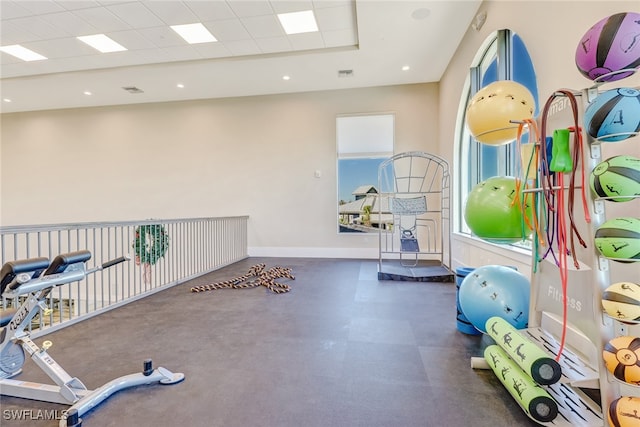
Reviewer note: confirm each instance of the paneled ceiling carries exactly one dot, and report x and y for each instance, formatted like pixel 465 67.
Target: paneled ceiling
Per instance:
pixel 360 43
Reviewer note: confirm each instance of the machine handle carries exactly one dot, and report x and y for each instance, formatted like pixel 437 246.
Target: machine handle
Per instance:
pixel 115 261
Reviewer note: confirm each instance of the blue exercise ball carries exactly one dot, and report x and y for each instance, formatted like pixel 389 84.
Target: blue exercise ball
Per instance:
pixel 495 290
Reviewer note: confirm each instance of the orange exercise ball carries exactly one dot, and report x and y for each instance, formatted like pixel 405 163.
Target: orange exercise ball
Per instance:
pixel 493 107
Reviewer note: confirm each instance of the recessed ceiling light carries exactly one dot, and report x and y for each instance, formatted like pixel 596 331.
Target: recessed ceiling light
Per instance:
pixel 298 22
pixel 6 100
pixel 86 92
pixel 405 68
pixel 102 43
pixel 194 33
pixel 22 52
pixel 180 85
pixel 286 78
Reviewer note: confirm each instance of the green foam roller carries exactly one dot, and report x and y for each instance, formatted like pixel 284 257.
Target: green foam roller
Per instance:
pixel 531 397
pixel 532 359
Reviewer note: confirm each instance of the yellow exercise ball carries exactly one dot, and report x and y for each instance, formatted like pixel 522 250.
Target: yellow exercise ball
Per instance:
pixel 493 107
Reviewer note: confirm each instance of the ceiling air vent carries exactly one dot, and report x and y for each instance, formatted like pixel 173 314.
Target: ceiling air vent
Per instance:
pixel 345 73
pixel 133 89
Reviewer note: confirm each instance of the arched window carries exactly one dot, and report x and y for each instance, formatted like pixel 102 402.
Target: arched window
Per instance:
pixel 503 56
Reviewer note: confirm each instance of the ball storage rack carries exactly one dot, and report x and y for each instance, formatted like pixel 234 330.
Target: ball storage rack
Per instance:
pixel 568 322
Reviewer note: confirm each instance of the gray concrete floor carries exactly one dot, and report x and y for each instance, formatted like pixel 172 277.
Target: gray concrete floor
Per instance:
pixel 342 349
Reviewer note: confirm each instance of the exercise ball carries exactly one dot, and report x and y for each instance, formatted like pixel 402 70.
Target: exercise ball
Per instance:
pixel 617 178
pixel 495 290
pixel 491 213
pixel 619 239
pixel 622 358
pixel 624 412
pixel 493 107
pixel 622 301
pixel 614 115
pixel 610 46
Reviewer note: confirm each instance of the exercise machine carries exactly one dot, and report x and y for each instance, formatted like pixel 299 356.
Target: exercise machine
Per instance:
pixel 28 282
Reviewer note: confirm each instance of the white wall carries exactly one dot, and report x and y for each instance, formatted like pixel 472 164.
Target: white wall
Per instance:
pixel 551 31
pixel 236 156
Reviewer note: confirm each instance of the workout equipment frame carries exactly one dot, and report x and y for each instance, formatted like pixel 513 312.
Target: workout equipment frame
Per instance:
pixel 31 281
pixel 415 188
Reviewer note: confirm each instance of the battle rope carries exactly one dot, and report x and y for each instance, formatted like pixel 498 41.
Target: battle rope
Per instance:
pixel 266 278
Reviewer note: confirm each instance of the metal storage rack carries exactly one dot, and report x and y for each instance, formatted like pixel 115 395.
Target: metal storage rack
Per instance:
pixel 585 378
pixel 414 218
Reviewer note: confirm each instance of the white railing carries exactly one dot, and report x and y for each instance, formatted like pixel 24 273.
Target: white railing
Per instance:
pixel 163 253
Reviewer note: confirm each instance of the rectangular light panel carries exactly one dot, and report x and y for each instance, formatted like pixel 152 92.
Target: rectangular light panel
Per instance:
pixel 22 52
pixel 102 43
pixel 194 33
pixel 298 22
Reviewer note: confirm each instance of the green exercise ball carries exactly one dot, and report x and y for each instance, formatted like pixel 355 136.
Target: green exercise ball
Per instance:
pixel 491 214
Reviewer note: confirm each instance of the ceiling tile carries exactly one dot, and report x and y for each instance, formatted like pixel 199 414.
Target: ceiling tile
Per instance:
pixel 24 69
pixel 132 40
pixel 60 65
pixel 12 9
pixel 61 48
pixel 243 9
pixel 181 53
pixel 210 10
pixel 136 15
pixel 263 26
pixel 77 4
pixel 306 41
pixel 69 23
pixel 162 36
pixel 340 38
pixel 11 33
pixel 110 60
pixel 151 56
pixel 274 44
pixel 212 50
pixel 335 18
pixel 102 19
pixel 39 27
pixel 320 4
pixel 41 7
pixel 243 47
pixel 286 6
pixel 172 12
pixel 227 30
pixel 5 58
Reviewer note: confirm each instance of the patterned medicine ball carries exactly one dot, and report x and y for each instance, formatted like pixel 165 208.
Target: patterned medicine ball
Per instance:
pixel 622 358
pixel 624 412
pixel 622 301
pixel 609 46
pixel 619 239
pixel 618 176
pixel 614 115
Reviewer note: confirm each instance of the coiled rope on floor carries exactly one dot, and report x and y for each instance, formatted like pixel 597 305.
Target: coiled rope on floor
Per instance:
pixel 266 278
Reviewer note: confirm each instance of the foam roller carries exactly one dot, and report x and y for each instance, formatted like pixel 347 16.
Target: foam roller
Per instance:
pixel 532 398
pixel 532 359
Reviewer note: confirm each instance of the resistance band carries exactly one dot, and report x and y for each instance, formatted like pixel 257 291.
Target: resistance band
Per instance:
pixel 563 161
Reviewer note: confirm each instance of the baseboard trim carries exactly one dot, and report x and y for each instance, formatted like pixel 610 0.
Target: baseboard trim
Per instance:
pixel 309 252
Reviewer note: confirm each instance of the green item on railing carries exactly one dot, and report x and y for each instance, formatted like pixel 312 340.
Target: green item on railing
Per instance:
pixel 151 243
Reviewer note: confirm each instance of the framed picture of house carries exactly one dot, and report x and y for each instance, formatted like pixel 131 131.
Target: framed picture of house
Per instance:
pixel 363 143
